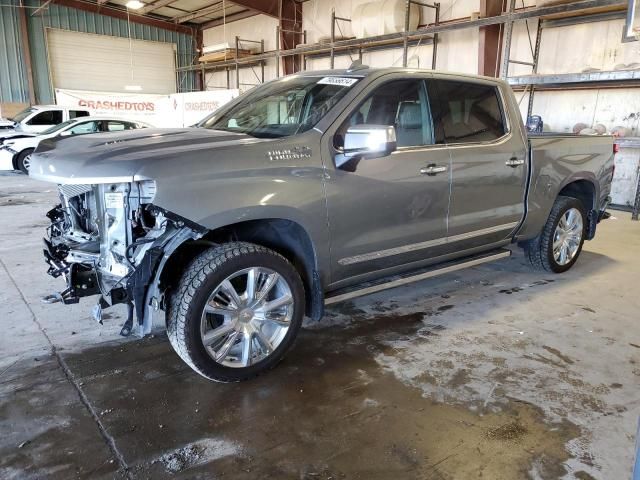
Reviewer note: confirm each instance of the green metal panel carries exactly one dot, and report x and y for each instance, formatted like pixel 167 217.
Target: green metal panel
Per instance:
pixel 13 81
pixel 13 77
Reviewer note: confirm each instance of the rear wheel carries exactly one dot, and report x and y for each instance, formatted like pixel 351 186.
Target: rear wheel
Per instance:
pixel 236 311
pixel 559 244
pixel 24 160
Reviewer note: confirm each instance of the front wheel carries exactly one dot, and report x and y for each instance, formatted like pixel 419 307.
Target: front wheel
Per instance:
pixel 236 311
pixel 24 160
pixel 559 244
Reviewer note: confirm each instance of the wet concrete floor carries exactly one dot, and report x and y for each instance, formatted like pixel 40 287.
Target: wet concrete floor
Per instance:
pixel 495 373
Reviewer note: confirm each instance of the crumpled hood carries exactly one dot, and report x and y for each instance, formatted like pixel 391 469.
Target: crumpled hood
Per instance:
pixel 120 156
pixel 16 136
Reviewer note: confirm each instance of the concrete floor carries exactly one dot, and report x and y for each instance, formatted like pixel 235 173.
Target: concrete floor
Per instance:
pixel 495 372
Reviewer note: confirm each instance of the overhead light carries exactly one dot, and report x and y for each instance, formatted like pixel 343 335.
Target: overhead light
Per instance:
pixel 133 88
pixel 134 5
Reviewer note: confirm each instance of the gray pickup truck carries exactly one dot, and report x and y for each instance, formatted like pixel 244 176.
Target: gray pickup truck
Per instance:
pixel 309 190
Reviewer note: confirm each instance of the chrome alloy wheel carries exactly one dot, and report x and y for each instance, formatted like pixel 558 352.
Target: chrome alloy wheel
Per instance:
pixel 246 317
pixel 27 162
pixel 567 236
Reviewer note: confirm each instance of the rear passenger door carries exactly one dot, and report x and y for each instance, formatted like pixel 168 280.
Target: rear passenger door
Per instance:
pixel 488 162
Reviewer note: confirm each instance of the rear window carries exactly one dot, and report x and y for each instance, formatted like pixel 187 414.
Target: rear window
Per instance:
pixel 471 112
pixel 78 113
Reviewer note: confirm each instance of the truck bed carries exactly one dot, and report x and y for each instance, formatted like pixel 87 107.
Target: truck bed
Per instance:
pixel 559 159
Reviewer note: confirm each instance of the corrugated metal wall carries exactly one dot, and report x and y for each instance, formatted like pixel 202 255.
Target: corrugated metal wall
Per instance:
pixel 13 78
pixel 12 67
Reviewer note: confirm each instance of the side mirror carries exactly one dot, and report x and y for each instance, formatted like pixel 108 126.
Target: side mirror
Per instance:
pixel 66 133
pixel 370 141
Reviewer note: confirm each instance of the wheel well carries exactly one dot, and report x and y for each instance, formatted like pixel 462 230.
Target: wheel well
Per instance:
pixel 286 237
pixel 582 190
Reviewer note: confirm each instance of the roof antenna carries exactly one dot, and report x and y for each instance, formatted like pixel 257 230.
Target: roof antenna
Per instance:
pixel 357 65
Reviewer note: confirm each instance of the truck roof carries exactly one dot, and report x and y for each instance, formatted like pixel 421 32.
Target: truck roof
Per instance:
pixel 62 107
pixel 364 71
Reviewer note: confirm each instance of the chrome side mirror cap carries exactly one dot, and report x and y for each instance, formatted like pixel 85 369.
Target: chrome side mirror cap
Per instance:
pixel 370 141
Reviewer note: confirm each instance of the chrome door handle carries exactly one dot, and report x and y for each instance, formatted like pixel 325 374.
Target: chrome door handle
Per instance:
pixel 514 162
pixel 432 169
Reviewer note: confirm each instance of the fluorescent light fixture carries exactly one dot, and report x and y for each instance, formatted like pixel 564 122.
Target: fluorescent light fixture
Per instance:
pixel 134 5
pixel 133 88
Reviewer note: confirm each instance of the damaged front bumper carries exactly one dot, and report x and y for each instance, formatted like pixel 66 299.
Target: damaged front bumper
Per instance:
pixel 110 240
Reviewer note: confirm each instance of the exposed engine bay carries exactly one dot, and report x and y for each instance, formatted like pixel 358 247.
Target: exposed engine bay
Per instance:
pixel 110 240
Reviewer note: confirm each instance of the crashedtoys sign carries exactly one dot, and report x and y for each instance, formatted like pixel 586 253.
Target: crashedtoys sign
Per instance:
pixel 175 110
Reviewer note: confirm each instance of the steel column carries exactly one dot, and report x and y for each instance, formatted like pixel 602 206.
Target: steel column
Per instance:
pixel 434 54
pixel 24 34
pixel 333 37
pixel 508 32
pixel 405 43
pixel 237 65
pixel 534 70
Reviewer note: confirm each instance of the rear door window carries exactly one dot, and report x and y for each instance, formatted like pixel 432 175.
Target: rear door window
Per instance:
pixel 470 112
pixel 114 126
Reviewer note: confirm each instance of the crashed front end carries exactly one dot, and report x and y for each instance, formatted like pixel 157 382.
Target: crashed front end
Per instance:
pixel 109 239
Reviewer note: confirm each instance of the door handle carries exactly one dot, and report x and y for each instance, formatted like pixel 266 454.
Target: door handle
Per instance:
pixel 514 162
pixel 432 169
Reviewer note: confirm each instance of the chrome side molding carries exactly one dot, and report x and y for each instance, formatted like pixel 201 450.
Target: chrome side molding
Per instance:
pixel 448 268
pixel 428 244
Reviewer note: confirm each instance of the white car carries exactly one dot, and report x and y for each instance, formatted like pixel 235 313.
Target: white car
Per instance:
pixel 39 118
pixel 16 149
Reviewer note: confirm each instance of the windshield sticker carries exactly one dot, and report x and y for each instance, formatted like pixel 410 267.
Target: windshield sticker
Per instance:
pixel 341 81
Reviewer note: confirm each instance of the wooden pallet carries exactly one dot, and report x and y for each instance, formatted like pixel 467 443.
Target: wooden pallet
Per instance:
pixel 586 11
pixel 222 55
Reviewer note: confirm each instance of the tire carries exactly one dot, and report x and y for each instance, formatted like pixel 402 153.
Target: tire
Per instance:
pixel 210 280
pixel 540 250
pixel 22 161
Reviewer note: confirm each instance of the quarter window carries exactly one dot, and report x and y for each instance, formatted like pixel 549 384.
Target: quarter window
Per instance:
pixel 402 104
pixel 471 112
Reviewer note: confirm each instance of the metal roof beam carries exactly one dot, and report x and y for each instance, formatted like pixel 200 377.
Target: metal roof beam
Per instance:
pixel 268 7
pixel 150 7
pixel 216 7
pixel 122 14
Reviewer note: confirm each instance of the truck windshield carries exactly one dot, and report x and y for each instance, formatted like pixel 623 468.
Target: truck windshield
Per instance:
pixel 282 108
pixel 22 115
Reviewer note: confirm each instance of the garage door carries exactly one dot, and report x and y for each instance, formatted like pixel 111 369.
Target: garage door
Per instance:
pixel 101 63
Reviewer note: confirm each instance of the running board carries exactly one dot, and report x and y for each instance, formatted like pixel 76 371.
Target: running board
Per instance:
pixel 396 281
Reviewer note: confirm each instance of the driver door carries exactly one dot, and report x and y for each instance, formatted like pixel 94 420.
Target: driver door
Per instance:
pixel 387 213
